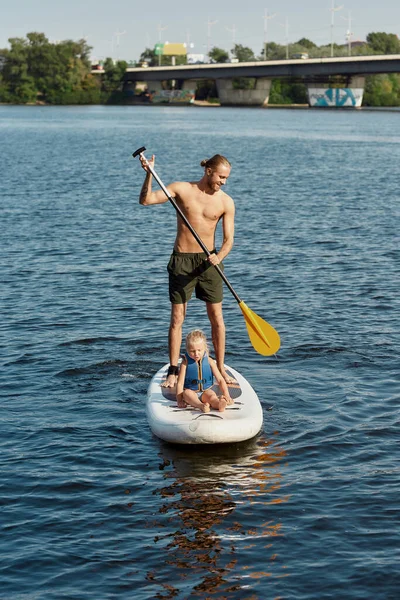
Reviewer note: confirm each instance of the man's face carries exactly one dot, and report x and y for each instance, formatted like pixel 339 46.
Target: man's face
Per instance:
pixel 218 177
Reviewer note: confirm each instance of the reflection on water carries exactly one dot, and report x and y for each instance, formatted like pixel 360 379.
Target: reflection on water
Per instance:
pixel 216 513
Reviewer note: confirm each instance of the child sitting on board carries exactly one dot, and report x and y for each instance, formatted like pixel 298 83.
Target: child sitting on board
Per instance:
pixel 196 377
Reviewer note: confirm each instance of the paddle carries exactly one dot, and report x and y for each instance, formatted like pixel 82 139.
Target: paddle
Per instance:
pixel 264 338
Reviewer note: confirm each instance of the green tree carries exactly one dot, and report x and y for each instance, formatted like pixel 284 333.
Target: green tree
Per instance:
pixel 35 69
pixel 113 74
pixel 384 43
pixel 286 92
pixel 382 90
pixel 21 86
pixel 149 56
pixel 243 53
pixel 275 51
pixel 306 43
pixel 48 66
pixel 218 55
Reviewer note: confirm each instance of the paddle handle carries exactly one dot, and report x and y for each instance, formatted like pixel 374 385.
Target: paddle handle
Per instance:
pixel 139 152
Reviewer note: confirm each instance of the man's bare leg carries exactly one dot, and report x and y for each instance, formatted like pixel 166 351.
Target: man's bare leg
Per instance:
pixel 178 313
pixel 214 311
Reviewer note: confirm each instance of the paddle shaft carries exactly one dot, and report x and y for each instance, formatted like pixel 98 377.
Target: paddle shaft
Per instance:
pixel 188 225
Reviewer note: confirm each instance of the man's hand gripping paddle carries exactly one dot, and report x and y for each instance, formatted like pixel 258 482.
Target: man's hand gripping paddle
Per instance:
pixel 264 338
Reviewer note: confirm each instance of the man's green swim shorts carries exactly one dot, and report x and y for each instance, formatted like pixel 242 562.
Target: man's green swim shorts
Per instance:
pixel 190 271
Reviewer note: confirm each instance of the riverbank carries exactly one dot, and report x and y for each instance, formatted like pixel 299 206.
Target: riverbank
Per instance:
pixel 204 103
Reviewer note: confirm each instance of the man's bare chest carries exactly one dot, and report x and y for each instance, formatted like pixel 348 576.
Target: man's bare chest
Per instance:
pixel 209 210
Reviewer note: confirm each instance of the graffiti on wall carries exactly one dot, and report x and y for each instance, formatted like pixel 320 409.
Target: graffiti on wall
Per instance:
pixel 168 96
pixel 335 97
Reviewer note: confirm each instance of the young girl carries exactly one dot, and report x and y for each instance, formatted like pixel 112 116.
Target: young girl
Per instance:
pixel 196 377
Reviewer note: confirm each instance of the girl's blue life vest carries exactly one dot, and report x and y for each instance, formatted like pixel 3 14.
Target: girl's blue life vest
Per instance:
pixel 199 376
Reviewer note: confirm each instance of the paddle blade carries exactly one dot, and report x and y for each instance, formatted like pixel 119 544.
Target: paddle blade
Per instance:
pixel 263 336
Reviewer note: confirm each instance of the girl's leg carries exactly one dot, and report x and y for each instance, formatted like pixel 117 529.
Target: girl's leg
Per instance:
pixel 212 399
pixel 190 397
pixel 228 402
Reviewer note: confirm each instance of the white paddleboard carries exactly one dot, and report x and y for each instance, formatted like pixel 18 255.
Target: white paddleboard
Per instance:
pixel 239 422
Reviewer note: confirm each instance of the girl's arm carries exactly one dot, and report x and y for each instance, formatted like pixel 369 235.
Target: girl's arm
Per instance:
pixel 220 380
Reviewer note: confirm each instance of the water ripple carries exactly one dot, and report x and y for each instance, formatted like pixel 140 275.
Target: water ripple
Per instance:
pixel 93 505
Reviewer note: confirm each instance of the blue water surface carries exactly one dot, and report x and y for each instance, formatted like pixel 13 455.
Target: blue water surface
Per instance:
pixel 94 506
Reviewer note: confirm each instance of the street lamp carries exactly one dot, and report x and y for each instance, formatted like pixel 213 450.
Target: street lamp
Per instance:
pixel 209 24
pixel 267 17
pixel 160 29
pixel 118 35
pixel 349 32
pixel 286 26
pixel 333 10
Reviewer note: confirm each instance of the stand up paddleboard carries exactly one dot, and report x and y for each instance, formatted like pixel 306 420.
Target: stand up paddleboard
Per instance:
pixel 239 422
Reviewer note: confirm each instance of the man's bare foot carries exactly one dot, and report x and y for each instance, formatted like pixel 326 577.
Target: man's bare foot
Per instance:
pixel 172 377
pixel 222 404
pixel 205 408
pixel 227 377
pixel 181 404
pixel 170 382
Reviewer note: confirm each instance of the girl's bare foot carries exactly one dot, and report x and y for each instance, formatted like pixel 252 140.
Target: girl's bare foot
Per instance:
pixel 205 408
pixel 222 404
pixel 228 401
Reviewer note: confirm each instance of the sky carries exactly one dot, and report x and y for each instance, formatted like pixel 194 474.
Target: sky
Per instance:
pixel 122 29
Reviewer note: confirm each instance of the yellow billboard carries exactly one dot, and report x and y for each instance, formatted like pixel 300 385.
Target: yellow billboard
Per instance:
pixel 174 50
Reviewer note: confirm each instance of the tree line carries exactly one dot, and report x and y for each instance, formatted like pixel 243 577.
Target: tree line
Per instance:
pixel 35 70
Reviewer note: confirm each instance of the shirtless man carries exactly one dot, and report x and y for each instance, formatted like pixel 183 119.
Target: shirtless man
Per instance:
pixel 204 204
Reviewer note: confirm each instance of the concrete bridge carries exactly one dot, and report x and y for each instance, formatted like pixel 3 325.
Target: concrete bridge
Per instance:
pixel 316 73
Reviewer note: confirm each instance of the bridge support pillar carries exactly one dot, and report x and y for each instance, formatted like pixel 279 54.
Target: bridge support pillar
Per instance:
pixel 348 96
pixel 258 96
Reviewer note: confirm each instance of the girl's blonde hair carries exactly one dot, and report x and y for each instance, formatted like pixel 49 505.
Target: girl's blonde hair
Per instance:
pixel 196 334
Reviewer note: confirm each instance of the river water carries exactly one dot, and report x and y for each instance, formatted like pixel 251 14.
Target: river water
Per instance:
pixel 94 506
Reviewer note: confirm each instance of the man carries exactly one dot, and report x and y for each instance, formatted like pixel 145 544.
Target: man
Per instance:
pixel 204 204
